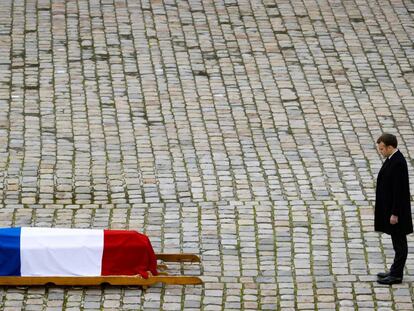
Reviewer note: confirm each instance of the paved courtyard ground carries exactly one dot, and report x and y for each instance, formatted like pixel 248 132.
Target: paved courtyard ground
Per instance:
pixel 242 131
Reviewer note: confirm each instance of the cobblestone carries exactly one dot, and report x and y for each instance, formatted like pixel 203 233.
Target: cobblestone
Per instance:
pixel 243 131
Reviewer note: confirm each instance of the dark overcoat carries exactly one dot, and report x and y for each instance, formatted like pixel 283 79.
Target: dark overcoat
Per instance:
pixel 393 196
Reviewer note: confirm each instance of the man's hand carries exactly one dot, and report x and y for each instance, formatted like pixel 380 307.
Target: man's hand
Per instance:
pixel 393 220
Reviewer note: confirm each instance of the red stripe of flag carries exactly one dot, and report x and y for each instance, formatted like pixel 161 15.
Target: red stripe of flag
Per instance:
pixel 128 252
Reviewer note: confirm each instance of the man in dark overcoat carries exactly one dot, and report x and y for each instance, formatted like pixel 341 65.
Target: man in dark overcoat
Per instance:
pixel 392 205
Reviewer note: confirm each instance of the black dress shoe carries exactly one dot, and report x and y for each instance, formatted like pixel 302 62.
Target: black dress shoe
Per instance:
pixel 382 275
pixel 389 280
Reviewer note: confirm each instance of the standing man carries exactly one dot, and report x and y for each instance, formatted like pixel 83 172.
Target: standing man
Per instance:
pixel 392 205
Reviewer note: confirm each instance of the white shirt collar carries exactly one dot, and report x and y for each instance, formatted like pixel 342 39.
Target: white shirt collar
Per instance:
pixel 393 153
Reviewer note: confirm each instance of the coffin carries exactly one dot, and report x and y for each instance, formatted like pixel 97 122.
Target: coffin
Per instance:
pixel 41 256
pixel 75 252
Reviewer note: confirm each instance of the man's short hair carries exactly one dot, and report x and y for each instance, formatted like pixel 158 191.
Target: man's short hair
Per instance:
pixel 388 140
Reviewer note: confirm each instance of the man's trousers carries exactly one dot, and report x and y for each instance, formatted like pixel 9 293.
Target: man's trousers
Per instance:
pixel 399 243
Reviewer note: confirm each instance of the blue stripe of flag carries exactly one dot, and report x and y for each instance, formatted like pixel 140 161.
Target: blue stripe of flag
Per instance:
pixel 10 251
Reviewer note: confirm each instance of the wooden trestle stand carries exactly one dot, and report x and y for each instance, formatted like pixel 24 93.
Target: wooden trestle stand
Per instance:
pixel 125 280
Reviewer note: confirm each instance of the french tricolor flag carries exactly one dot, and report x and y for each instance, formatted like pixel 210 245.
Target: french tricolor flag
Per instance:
pixel 75 252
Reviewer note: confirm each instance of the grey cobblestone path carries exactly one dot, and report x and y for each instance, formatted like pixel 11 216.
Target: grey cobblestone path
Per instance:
pixel 242 131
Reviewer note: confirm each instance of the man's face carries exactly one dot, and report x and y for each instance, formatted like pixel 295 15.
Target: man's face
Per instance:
pixel 384 150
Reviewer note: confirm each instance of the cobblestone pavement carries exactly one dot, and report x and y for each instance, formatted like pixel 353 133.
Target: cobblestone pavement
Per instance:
pixel 243 131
